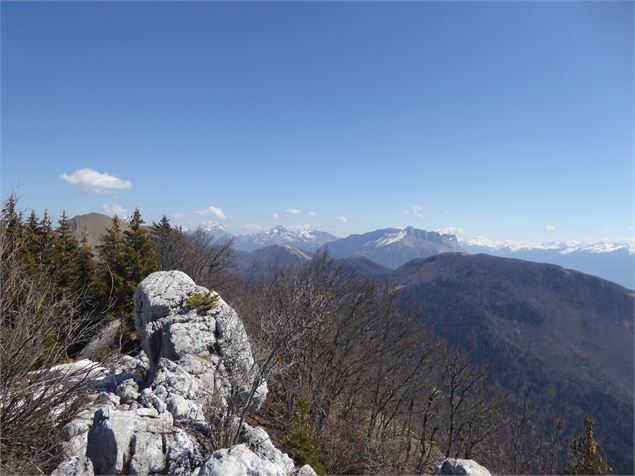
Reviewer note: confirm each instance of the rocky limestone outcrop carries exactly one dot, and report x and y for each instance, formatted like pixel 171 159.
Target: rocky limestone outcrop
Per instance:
pixel 146 415
pixel 468 467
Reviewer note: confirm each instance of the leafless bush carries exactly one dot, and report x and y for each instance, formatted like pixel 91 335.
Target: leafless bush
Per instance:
pixel 207 261
pixel 38 324
pixel 385 395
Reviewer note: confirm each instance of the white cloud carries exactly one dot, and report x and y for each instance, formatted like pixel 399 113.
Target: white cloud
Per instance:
pixel 275 216
pixel 252 227
pixel 312 214
pixel 417 211
pixel 341 218
pixel 177 215
pixel 293 211
pixel 452 230
pixel 550 228
pixel 114 209
pixel 214 211
pixel 89 180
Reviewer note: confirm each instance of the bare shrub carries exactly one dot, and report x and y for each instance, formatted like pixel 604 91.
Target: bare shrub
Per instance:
pixel 38 325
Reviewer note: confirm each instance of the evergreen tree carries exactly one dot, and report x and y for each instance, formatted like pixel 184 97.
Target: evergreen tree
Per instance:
pixel 46 240
pixel 127 258
pixel 113 269
pixel 65 258
pixel 587 454
pixel 32 242
pixel 142 257
pixel 12 227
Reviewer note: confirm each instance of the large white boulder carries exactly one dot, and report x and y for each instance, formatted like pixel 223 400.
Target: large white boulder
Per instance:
pixel 239 460
pixel 144 413
pixel 211 346
pixel 469 467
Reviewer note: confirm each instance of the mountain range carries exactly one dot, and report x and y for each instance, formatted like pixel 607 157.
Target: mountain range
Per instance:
pixel 567 334
pixel 393 247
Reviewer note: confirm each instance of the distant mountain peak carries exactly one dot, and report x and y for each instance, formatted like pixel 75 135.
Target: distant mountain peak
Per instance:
pixel 304 239
pixel 392 247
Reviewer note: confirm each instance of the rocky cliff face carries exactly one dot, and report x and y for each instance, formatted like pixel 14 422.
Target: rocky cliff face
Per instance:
pixel 149 415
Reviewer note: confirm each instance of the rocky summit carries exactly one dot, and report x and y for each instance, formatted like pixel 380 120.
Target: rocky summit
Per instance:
pixel 150 414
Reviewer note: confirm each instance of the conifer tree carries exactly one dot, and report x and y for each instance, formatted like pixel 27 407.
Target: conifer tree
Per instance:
pixel 12 227
pixel 142 257
pixel 32 242
pixel 587 454
pixel 112 253
pixel 127 258
pixel 65 257
pixel 46 240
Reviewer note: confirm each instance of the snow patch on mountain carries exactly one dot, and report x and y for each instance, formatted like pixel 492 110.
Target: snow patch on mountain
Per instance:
pixel 563 247
pixel 302 238
pixel 390 238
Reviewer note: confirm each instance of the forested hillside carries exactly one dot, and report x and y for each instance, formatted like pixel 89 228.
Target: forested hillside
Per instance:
pixel 563 337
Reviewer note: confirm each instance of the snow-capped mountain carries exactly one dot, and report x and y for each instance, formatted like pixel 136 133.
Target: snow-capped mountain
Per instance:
pixel 218 232
pixel 309 240
pixel 392 247
pixel 614 261
pixel 562 247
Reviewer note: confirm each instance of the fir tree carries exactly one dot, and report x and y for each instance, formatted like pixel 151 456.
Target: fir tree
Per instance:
pixel 127 258
pixel 112 253
pixel 587 454
pixel 65 257
pixel 12 227
pixel 142 257
pixel 46 240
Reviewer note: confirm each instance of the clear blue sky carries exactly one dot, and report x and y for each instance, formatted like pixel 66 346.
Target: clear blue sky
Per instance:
pixel 500 118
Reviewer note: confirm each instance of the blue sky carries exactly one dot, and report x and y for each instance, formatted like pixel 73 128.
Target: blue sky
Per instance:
pixel 505 119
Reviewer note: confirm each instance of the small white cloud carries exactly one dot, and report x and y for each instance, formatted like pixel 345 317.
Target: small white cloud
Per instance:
pixel 275 216
pixel 293 211
pixel 417 211
pixel 312 214
pixel 252 227
pixel 114 209
pixel 177 215
pixel 341 218
pixel 452 230
pixel 89 180
pixel 214 211
pixel 550 228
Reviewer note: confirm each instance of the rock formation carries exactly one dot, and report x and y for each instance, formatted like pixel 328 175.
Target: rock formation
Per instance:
pixel 466 467
pixel 148 415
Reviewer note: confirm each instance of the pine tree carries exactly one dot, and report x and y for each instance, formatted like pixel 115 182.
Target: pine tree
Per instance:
pixel 32 242
pixel 46 240
pixel 65 258
pixel 12 227
pixel 587 454
pixel 127 258
pixel 142 255
pixel 113 269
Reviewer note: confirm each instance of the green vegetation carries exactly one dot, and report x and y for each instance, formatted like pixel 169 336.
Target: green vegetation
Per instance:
pixel 126 259
pixel 301 442
pixel 587 454
pixel 202 303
